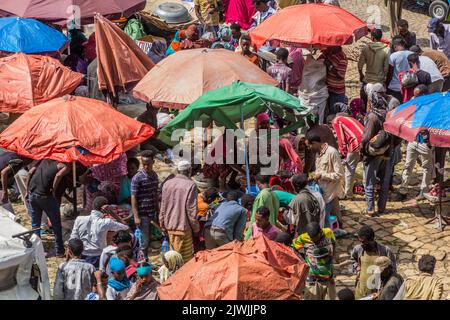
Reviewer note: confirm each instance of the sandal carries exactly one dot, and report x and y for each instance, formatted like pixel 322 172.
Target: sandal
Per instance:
pixel 368 213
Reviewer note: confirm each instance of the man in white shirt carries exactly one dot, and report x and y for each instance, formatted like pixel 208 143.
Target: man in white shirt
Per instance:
pixel 93 229
pixel 437 80
pixel 398 62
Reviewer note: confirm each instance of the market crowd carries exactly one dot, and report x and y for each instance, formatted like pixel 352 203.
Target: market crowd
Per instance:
pixel 127 207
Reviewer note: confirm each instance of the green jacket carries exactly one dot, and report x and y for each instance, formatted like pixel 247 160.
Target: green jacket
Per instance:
pixel 265 198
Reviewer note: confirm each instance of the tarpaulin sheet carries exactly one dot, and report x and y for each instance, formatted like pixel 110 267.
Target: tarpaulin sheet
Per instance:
pixel 257 269
pixel 29 80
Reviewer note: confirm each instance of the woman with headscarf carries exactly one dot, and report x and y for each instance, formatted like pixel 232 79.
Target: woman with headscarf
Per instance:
pixel 157 51
pixel 119 284
pixel 188 38
pixel 145 287
pixel 172 262
pixel 214 170
pixel 225 37
pixel 289 160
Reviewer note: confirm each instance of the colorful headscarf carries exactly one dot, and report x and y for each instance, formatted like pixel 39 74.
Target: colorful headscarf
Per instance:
pixel 262 117
pixel 144 270
pixel 379 105
pixel 116 265
pixel 293 156
pixel 172 262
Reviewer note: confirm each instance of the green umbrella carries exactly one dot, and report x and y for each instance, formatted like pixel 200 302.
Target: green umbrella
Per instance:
pixel 227 106
pixel 231 104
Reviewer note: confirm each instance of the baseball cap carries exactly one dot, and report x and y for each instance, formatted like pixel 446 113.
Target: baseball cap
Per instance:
pixel 433 24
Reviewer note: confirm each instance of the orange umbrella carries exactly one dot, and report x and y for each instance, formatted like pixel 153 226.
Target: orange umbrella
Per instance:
pixel 310 24
pixel 184 76
pixel 74 129
pixel 29 80
pixel 121 63
pixel 257 269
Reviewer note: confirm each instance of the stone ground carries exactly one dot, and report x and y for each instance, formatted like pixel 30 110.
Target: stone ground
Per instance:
pixel 403 227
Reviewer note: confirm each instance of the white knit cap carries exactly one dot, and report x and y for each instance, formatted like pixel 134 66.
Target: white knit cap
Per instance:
pixel 184 165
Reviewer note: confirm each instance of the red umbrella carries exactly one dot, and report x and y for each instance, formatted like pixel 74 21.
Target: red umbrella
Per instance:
pixel 74 129
pixel 63 11
pixel 28 80
pixel 312 24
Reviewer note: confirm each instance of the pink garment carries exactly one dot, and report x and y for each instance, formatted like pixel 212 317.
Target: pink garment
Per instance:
pixel 240 11
pixel 295 161
pixel 111 172
pixel 298 62
pixel 271 232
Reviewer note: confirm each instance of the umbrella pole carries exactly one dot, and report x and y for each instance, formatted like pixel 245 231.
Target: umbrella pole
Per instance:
pixel 247 168
pixel 74 177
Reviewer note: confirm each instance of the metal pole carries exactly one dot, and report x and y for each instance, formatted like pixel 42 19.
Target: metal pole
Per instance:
pixel 247 168
pixel 74 177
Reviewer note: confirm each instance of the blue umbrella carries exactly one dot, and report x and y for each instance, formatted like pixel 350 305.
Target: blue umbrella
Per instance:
pixel 29 36
pixel 429 112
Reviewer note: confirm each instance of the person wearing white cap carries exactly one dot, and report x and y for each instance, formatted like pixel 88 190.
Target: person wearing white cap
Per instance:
pixel 391 283
pixel 178 213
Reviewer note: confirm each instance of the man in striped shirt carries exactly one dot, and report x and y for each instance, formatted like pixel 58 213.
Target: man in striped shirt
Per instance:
pixel 348 132
pixel 336 63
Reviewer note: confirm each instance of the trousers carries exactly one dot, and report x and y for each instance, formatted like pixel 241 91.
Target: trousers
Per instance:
pixel 349 169
pixel 416 150
pixel 377 169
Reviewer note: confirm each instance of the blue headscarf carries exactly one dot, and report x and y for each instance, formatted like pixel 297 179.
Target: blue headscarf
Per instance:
pixel 116 265
pixel 144 270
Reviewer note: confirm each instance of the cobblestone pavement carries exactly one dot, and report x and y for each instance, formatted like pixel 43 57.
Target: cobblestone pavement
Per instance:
pixel 403 228
pixel 369 10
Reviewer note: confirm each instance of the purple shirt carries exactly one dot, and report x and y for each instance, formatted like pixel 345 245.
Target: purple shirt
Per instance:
pixel 271 232
pixel 282 73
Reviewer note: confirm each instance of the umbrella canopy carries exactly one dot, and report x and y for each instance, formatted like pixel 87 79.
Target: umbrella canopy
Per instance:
pixel 29 80
pixel 121 63
pixel 311 24
pixel 184 76
pixel 74 129
pixel 257 269
pixel 66 10
pixel 223 106
pixel 429 112
pixel 29 36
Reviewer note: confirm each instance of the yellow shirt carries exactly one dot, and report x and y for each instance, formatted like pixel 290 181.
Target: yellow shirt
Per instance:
pixel 205 7
pixel 424 287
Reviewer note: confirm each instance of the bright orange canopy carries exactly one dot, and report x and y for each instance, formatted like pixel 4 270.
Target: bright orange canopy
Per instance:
pixel 257 269
pixel 29 80
pixel 74 129
pixel 121 63
pixel 312 24
pixel 184 76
